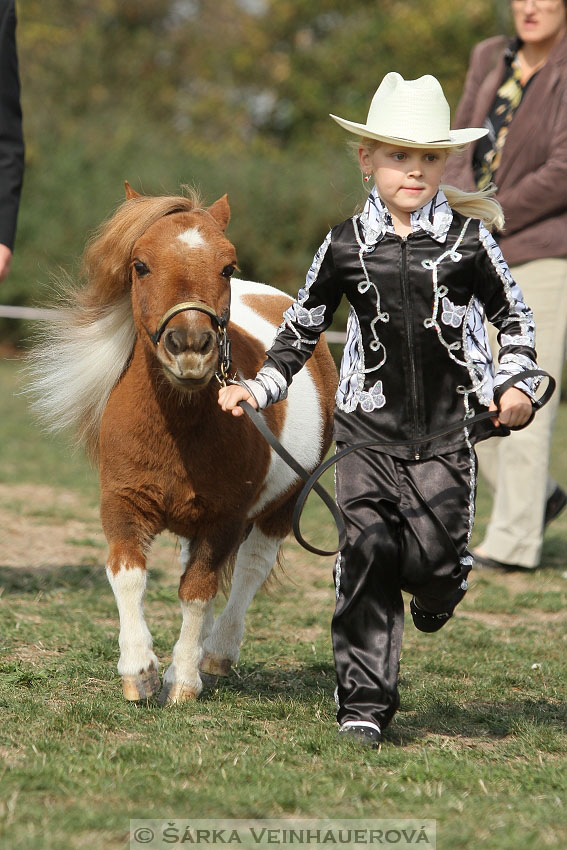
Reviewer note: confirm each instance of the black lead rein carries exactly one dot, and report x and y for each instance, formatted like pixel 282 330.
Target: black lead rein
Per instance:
pixel 311 480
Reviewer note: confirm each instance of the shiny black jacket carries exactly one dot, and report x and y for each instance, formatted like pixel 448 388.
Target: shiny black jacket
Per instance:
pixel 416 357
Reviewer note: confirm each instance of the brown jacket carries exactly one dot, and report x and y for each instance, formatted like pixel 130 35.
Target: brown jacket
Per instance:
pixel 532 177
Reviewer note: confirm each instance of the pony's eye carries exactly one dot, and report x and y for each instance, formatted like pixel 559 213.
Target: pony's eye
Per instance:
pixel 228 271
pixel 140 268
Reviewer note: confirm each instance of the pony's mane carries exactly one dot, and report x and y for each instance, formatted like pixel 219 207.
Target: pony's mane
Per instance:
pixel 80 355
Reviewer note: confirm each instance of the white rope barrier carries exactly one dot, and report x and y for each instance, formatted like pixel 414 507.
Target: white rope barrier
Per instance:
pixel 9 312
pixel 39 314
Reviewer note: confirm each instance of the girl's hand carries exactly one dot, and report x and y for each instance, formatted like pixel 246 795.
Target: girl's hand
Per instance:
pixel 230 395
pixel 515 408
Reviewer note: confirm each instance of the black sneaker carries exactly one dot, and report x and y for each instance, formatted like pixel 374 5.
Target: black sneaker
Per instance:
pixel 363 734
pixel 427 621
pixel 555 505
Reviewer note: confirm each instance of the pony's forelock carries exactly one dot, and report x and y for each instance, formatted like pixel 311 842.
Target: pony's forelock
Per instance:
pixel 105 267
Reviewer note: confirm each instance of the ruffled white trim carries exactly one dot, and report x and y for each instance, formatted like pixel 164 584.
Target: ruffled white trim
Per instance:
pixel 434 218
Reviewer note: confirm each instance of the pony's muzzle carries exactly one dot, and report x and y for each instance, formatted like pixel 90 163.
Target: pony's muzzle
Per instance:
pixel 179 340
pixel 188 354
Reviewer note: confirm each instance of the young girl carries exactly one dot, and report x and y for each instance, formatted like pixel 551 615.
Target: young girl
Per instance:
pixel 420 271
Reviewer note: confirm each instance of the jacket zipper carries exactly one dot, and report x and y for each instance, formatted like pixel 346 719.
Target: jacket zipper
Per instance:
pixel 406 293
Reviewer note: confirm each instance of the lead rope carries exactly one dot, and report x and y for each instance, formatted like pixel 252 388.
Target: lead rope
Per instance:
pixel 311 479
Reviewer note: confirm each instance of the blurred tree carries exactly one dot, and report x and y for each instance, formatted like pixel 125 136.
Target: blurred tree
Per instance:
pixel 245 71
pixel 232 96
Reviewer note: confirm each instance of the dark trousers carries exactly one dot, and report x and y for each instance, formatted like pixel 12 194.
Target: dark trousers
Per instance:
pixel 408 525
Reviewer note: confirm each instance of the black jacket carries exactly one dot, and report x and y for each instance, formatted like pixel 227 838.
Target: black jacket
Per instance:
pixel 11 138
pixel 416 357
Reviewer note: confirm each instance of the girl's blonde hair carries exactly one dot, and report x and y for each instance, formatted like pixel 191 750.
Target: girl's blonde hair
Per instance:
pixel 479 204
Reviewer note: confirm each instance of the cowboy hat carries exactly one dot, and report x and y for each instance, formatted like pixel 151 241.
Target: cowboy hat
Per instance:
pixel 412 113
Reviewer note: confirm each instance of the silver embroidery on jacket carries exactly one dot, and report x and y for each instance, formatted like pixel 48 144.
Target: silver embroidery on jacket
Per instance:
pixel 510 362
pixel 296 314
pixel 375 221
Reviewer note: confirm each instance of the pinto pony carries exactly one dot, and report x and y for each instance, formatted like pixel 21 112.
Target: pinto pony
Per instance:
pixel 133 363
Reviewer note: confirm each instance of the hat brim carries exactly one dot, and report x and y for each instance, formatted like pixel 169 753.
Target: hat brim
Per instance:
pixel 456 137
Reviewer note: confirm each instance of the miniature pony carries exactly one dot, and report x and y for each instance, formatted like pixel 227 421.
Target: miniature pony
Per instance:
pixel 133 363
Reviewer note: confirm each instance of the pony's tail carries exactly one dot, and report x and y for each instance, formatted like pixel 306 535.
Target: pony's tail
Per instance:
pixel 78 358
pixel 478 204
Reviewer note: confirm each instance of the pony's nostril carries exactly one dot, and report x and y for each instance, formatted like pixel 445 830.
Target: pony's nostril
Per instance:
pixel 207 343
pixel 174 341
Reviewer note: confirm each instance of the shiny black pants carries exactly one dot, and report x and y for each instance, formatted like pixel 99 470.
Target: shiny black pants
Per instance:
pixel 408 525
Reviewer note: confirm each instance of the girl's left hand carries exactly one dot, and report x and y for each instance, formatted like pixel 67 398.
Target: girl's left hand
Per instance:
pixel 515 408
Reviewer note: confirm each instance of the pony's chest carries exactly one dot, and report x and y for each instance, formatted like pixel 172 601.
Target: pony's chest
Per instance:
pixel 212 501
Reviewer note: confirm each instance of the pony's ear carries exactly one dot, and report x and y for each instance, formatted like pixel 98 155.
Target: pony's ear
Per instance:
pixel 130 193
pixel 220 211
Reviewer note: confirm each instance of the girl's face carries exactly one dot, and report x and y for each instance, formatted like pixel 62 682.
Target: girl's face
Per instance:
pixel 539 21
pixel 406 178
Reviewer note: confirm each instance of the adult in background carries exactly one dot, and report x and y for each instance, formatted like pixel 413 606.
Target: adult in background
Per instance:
pixel 518 90
pixel 11 137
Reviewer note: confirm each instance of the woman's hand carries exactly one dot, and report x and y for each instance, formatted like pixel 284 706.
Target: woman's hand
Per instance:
pixel 5 261
pixel 230 395
pixel 515 408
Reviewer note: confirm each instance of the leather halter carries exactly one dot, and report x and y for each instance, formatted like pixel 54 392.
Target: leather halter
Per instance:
pixel 221 322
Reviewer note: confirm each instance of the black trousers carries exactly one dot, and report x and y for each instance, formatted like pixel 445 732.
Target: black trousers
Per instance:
pixel 408 526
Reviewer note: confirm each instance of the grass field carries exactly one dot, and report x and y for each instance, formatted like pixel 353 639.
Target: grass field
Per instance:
pixel 479 744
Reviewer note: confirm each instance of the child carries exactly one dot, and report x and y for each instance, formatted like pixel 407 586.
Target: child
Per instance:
pixel 420 270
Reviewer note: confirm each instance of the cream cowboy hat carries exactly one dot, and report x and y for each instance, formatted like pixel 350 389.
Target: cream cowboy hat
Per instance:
pixel 413 113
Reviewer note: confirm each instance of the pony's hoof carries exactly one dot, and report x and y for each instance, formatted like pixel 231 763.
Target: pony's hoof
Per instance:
pixel 214 665
pixel 209 681
pixel 141 687
pixel 172 693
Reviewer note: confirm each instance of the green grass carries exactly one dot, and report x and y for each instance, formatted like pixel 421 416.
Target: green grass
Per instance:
pixel 479 744
pixel 29 455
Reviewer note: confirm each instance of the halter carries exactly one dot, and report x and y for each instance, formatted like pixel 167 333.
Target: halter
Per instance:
pixel 221 322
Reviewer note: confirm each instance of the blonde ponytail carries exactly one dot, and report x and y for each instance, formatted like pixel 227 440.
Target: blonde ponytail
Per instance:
pixel 479 204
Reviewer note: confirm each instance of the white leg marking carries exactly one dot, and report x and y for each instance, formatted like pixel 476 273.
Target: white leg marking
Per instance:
pixel 187 652
pixel 135 640
pixel 254 563
pixel 208 621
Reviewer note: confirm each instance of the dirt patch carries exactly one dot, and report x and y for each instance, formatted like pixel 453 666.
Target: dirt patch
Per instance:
pixel 11 758
pixel 25 542
pixel 33 653
pixel 38 497
pixel 525 618
pixel 43 526
pixel 514 582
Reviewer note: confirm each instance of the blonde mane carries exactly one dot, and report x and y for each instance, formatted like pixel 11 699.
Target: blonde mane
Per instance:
pixel 80 355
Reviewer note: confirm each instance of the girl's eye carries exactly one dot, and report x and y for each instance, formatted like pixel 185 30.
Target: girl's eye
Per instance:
pixel 140 268
pixel 431 157
pixel 399 157
pixel 228 271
